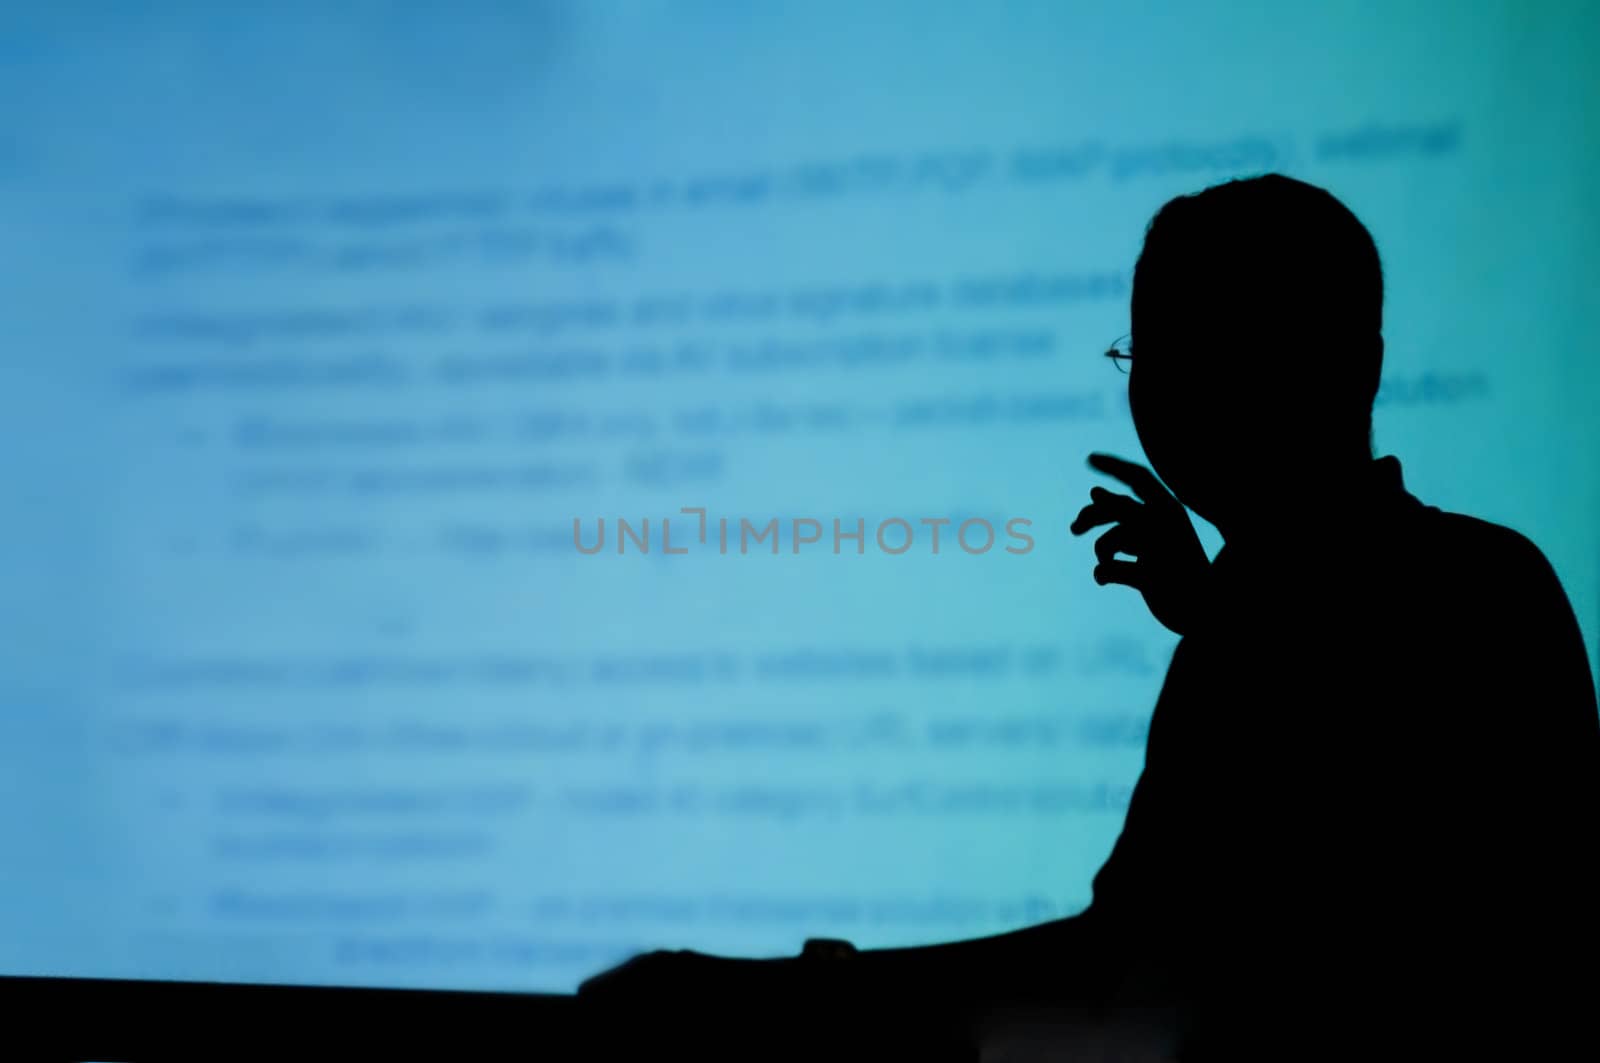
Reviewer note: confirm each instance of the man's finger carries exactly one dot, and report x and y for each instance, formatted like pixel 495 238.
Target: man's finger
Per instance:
pixel 1105 507
pixel 1091 517
pixel 1125 573
pixel 1140 479
pixel 1119 540
pixel 1124 506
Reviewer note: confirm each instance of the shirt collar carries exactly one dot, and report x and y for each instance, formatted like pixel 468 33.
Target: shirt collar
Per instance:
pixel 1378 497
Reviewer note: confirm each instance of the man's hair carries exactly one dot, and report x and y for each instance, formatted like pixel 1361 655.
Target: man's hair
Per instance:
pixel 1283 270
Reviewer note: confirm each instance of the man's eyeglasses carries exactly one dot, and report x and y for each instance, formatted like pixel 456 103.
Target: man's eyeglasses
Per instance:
pixel 1121 353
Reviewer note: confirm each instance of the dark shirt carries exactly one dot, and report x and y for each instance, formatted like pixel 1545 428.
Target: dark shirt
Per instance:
pixel 1365 829
pixel 1371 797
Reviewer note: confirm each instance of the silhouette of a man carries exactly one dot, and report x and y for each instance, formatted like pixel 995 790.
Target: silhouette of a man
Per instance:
pixel 1368 824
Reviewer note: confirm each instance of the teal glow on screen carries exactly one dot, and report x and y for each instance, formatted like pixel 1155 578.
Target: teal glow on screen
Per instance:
pixel 325 325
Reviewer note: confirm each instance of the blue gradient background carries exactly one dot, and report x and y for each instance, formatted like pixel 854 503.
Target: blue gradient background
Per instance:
pixel 267 719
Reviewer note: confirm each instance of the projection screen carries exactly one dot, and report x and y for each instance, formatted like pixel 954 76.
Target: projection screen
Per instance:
pixel 334 332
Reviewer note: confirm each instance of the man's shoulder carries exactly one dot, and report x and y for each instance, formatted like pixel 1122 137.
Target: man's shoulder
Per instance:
pixel 1478 550
pixel 1467 574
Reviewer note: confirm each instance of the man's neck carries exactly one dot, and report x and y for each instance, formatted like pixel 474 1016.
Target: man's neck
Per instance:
pixel 1312 505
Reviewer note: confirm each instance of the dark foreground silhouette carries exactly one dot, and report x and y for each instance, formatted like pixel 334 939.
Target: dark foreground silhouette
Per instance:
pixel 1368 819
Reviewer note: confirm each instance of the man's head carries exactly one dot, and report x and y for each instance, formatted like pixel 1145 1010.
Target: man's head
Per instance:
pixel 1257 343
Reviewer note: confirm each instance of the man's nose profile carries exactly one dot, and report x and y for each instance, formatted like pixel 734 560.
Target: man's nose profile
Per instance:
pixel 1312 863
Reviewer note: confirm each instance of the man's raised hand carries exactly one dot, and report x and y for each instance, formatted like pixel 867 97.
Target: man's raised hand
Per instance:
pixel 1168 563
